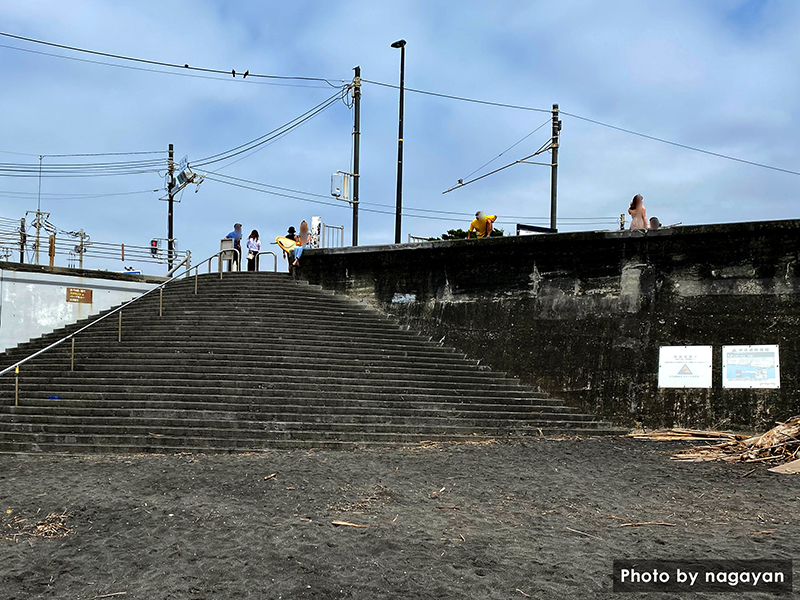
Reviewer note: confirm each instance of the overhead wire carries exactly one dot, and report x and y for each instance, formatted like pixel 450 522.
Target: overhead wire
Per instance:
pixel 271 135
pixel 258 187
pixel 679 145
pixel 511 147
pixel 159 63
pixel 186 66
pixel 164 72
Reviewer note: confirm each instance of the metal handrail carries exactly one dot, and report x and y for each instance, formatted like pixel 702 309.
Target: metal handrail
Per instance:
pixel 274 259
pixel 112 312
pixel 186 259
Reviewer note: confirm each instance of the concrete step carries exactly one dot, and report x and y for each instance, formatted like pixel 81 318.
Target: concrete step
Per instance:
pixel 276 367
pixel 259 378
pixel 252 430
pixel 318 412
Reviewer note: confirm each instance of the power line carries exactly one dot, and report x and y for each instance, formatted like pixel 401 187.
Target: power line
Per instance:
pixel 164 72
pixel 462 98
pixel 684 146
pixel 372 210
pixel 410 208
pixel 622 129
pixel 161 63
pixel 507 149
pixel 53 196
pixel 271 135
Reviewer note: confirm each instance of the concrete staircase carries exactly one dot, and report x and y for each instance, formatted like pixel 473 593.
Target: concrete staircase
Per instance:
pixel 254 361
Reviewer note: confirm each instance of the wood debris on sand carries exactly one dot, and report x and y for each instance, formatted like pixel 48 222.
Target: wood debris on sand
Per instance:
pixel 686 435
pixel 780 444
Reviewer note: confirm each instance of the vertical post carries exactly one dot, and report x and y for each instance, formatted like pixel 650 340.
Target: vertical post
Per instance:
pixel 72 356
pixel 554 170
pixel 80 254
pixel 398 219
pixel 196 273
pixel 161 302
pixel 16 386
pixel 123 252
pixel 356 148
pixel 23 239
pixel 38 226
pixel 119 331
pixel 171 194
pixel 51 250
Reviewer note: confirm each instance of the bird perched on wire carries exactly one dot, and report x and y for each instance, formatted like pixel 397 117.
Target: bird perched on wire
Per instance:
pixel 233 72
pixel 246 73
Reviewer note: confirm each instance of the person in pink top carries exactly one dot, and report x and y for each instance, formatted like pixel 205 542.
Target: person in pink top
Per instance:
pixel 638 213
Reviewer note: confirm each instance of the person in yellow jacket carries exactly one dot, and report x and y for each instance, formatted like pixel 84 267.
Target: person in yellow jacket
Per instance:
pixel 482 225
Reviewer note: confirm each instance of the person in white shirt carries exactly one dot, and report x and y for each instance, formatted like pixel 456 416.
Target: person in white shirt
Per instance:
pixel 253 248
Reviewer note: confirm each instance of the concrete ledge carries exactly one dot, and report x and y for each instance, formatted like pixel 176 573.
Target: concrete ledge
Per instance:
pixel 582 315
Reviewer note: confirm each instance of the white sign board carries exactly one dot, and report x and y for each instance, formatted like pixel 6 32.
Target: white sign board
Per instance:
pixel 685 366
pixel 751 367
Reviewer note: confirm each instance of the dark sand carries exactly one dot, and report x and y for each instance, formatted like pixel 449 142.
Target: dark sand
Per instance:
pixel 191 527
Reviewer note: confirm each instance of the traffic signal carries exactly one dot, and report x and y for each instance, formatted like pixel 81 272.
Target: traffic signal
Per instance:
pixel 154 247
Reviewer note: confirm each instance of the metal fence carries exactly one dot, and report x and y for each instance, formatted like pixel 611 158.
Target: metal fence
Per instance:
pixel 332 236
pixel 18 245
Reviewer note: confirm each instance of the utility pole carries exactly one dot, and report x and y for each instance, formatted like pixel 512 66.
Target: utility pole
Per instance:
pixel 23 238
pixel 554 169
pixel 398 220
pixel 171 194
pixel 356 148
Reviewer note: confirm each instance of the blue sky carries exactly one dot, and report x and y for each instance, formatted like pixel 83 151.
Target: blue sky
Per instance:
pixel 719 75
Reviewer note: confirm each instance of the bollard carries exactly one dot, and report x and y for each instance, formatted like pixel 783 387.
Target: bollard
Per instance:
pixel 119 336
pixel 161 302
pixel 72 356
pixel 16 386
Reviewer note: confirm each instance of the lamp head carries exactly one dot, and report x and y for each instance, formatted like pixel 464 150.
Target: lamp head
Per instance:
pixel 399 44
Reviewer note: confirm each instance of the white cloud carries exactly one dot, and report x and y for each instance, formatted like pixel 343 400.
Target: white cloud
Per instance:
pixel 719 76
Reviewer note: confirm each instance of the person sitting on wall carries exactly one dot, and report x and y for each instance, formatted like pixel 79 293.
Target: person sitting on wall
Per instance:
pixel 236 236
pixel 303 243
pixel 638 213
pixel 654 223
pixel 482 225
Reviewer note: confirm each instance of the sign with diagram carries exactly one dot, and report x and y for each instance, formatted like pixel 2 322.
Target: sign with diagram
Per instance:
pixel 751 367
pixel 685 366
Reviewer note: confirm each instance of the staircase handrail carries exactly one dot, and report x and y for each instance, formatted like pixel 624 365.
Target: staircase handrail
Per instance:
pixel 115 311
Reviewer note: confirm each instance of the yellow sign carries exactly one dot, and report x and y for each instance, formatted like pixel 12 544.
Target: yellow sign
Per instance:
pixel 80 295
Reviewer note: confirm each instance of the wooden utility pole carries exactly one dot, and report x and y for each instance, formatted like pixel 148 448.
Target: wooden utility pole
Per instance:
pixel 356 148
pixel 554 169
pixel 171 194
pixel 23 239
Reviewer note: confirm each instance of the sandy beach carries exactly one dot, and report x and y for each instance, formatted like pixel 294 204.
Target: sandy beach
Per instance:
pixel 540 519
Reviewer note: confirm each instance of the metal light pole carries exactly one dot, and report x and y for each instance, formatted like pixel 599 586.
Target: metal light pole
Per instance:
pixel 356 149
pixel 399 210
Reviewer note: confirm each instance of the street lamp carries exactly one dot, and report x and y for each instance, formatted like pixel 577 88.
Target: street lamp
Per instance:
pixel 398 214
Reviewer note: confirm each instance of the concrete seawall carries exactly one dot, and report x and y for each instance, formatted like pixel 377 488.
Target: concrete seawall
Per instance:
pixel 582 315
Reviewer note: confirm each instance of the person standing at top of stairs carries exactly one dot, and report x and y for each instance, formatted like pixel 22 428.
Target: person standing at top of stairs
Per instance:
pixel 253 248
pixel 236 236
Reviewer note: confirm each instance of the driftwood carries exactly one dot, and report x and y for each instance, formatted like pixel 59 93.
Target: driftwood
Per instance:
pixel 347 524
pixel 648 523
pixel 687 435
pixel 780 444
pixel 582 533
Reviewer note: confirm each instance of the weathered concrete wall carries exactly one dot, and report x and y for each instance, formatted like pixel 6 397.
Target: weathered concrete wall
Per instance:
pixel 33 299
pixel 583 315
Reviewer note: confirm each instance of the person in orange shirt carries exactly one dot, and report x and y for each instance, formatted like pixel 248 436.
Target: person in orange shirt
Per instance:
pixel 482 225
